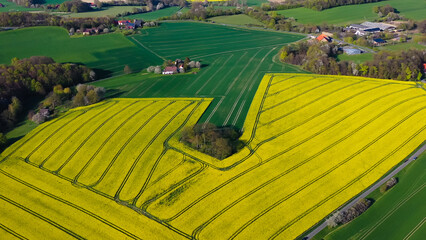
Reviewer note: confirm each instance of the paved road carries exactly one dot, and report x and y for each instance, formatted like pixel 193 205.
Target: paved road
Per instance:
pixel 371 189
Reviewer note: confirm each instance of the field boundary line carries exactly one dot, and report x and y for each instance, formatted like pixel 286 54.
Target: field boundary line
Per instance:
pixel 148 49
pixel 73 205
pixel 41 217
pixel 417 227
pixel 357 178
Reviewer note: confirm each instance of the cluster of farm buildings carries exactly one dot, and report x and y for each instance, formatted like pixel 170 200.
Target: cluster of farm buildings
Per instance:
pixel 178 67
pixel 365 29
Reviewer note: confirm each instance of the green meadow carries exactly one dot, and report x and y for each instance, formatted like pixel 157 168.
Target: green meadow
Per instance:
pixel 413 9
pixel 240 19
pixel 359 58
pixel 109 53
pixel 13 7
pixel 150 16
pixel 402 46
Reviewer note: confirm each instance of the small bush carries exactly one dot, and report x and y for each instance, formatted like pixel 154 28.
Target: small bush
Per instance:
pixel 388 185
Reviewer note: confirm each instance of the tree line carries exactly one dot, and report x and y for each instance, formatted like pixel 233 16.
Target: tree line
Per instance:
pixel 320 58
pixel 317 5
pixel 28 3
pixel 25 19
pixel 343 217
pixel 34 77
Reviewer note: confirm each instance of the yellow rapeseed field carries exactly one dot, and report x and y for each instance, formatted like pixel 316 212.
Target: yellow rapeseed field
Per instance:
pixel 117 169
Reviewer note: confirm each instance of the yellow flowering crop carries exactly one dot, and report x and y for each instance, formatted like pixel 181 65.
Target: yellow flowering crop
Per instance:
pixel 312 142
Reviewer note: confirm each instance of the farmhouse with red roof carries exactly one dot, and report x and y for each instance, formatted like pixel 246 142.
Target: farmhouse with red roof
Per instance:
pixel 324 38
pixel 170 70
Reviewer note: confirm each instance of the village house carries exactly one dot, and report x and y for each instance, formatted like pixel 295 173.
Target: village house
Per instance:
pixel 123 22
pixel 170 70
pixel 324 38
pixel 128 24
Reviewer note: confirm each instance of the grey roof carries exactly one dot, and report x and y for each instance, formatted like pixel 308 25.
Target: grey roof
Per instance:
pixel 358 26
pixel 382 26
pixel 351 51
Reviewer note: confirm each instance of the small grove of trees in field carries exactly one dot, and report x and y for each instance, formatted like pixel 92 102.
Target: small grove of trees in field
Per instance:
pixel 383 10
pixel 87 94
pixel 320 58
pixel 34 77
pixel 343 217
pixel 388 185
pixel 218 142
pixel 74 6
